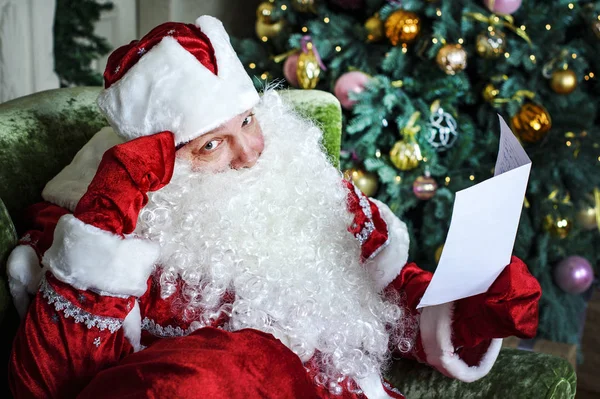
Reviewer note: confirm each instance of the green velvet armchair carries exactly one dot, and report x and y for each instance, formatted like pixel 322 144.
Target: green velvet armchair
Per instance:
pixel 39 135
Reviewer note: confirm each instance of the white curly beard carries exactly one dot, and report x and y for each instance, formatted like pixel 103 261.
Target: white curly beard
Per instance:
pixel 276 236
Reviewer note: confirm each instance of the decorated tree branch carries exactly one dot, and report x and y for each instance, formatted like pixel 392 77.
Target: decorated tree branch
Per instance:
pixel 421 83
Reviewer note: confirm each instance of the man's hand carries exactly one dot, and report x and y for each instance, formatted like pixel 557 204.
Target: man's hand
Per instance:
pixel 127 172
pixel 508 308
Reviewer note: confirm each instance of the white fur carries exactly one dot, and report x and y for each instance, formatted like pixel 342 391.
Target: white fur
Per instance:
pixel 169 89
pixel 87 257
pixel 436 336
pixel 277 236
pixel 24 274
pixel 372 387
pixel 132 327
pixel 388 263
pixel 67 187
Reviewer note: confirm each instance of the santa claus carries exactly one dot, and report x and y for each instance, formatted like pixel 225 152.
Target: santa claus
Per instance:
pixel 204 246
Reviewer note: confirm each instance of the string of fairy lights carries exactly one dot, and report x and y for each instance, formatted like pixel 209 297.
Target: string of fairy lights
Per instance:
pixel 493 20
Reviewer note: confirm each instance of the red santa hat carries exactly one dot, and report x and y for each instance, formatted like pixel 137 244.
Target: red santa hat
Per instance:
pixel 184 78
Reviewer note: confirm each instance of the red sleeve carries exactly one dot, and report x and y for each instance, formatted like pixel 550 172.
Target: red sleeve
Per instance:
pixel 411 284
pixel 437 339
pixel 67 337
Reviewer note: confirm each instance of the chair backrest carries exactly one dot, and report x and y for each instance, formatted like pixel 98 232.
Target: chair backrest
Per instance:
pixel 39 135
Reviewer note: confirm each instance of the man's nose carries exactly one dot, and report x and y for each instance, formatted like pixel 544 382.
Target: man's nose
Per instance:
pixel 246 154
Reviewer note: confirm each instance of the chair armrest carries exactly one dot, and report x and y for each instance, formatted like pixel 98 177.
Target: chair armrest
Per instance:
pixel 516 374
pixel 325 110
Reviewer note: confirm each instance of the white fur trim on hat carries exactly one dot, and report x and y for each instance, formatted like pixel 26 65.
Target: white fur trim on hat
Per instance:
pixel 436 336
pixel 388 263
pixel 87 257
pixel 24 274
pixel 169 89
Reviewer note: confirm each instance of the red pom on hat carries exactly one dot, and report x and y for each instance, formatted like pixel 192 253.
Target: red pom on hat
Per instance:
pixel 182 78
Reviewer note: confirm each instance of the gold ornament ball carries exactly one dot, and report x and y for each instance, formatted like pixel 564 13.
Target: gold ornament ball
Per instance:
pixel 402 27
pixel 424 187
pixel 365 181
pixel 586 218
pixel 405 155
pixel 308 69
pixel 438 253
pixel 490 92
pixel 596 27
pixel 374 28
pixel 264 11
pixel 269 31
pixel 304 5
pixel 531 123
pixel 563 81
pixel 558 226
pixel 490 44
pixel 452 58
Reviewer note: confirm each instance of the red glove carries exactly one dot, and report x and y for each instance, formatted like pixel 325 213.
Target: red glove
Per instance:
pixel 508 308
pixel 127 172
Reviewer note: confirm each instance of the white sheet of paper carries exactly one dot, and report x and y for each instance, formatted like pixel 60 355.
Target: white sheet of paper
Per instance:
pixel 483 228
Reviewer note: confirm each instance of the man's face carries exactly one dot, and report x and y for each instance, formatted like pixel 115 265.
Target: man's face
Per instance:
pixel 236 144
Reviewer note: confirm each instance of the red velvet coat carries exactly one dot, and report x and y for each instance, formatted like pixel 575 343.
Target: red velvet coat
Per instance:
pixel 125 341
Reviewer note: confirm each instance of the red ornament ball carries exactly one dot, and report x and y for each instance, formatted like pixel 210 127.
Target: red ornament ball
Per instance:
pixel 503 6
pixel 290 68
pixel 350 82
pixel 574 274
pixel 424 187
pixel 348 4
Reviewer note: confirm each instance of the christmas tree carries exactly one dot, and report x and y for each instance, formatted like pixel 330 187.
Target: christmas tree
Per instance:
pixel 75 44
pixel 421 83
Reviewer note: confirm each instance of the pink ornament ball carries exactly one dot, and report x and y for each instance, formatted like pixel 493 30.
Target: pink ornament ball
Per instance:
pixel 574 274
pixel 350 82
pixel 290 68
pixel 503 6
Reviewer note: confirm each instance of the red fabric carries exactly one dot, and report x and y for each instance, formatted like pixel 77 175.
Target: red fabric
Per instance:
pixel 209 363
pixel 170 311
pixel 189 36
pixel 366 212
pixel 411 283
pixel 126 173
pixel 54 356
pixel 509 307
pixel 40 221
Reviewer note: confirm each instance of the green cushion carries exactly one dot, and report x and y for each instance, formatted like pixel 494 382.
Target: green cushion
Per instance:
pixel 39 135
pixel 8 240
pixel 516 374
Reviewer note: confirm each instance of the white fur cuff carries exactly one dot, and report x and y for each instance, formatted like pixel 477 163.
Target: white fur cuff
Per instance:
pixel 388 263
pixel 24 273
pixel 436 336
pixel 87 257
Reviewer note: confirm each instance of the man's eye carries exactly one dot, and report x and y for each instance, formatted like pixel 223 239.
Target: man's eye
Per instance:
pixel 211 145
pixel 247 120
